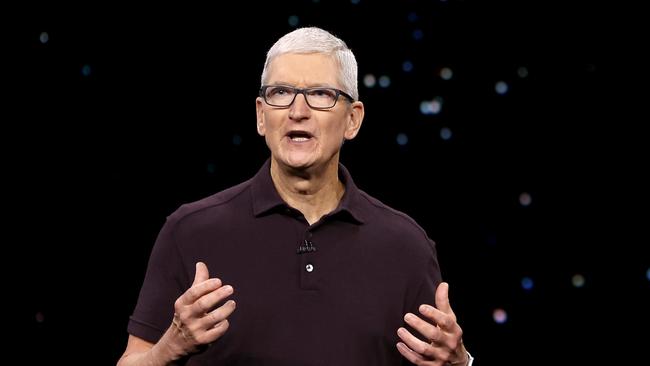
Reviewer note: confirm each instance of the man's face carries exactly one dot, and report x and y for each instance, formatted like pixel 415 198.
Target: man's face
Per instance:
pixel 298 136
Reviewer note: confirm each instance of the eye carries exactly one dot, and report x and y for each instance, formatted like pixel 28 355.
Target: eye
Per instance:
pixel 323 93
pixel 279 91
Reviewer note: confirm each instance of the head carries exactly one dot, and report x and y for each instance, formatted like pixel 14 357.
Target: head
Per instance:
pixel 315 40
pixel 301 131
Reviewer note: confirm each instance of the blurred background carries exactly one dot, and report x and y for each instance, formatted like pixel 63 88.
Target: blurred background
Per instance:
pixel 507 130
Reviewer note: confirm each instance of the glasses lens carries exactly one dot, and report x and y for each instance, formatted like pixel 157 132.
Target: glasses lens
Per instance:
pixel 283 96
pixel 321 97
pixel 280 96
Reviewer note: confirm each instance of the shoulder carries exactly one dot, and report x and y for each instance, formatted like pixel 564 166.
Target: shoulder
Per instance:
pixel 211 207
pixel 394 224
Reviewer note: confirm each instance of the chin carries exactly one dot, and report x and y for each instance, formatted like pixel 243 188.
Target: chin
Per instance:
pixel 299 163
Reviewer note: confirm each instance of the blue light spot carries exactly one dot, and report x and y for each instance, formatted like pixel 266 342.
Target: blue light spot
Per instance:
pixel 355 2
pixel 85 70
pixel 44 37
pixel 412 17
pixel 501 87
pixel 407 66
pixel 210 168
pixel 527 283
pixel 418 34
pixel 402 139
pixel 445 133
pixel 236 140
pixel 428 107
pixel 293 20
pixel 647 274
pixel 384 81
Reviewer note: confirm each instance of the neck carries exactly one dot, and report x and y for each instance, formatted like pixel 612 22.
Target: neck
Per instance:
pixel 314 192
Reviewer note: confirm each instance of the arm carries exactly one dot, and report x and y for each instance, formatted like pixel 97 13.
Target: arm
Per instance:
pixel 195 324
pixel 140 352
pixel 446 343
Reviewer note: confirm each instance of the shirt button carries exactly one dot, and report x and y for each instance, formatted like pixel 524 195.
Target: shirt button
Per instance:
pixel 309 268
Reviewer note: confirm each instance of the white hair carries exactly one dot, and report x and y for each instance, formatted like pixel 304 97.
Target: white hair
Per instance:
pixel 316 40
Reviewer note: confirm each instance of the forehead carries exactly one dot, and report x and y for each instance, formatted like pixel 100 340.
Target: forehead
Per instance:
pixel 304 70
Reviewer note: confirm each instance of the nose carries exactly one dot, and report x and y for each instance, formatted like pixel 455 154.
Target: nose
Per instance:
pixel 299 109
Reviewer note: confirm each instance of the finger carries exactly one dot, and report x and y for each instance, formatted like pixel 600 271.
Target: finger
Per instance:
pixel 216 322
pixel 414 343
pixel 196 291
pixel 446 322
pixel 408 353
pixel 442 298
pixel 218 315
pixel 208 301
pixel 428 330
pixel 450 334
pixel 201 274
pixel 214 333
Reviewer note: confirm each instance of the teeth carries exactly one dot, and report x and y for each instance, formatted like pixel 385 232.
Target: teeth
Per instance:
pixel 299 139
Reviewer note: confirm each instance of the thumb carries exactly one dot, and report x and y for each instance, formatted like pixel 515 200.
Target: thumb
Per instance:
pixel 442 298
pixel 201 274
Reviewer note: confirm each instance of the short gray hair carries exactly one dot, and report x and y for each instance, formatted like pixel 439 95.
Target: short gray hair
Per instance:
pixel 316 40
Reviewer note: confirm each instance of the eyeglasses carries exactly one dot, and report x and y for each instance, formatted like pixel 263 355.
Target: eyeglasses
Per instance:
pixel 317 98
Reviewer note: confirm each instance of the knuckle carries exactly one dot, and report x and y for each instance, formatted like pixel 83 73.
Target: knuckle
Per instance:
pixel 178 304
pixel 225 324
pixel 182 316
pixel 200 303
pixel 447 322
pixel 421 348
pixel 214 317
pixel 222 327
pixel 201 339
pixel 445 356
pixel 192 291
pixel 453 343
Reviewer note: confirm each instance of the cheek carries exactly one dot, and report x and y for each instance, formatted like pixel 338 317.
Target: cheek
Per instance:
pixel 271 124
pixel 333 136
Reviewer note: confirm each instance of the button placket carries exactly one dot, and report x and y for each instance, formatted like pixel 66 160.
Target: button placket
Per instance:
pixel 308 262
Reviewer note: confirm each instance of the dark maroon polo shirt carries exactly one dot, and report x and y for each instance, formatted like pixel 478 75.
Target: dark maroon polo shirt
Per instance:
pixel 340 304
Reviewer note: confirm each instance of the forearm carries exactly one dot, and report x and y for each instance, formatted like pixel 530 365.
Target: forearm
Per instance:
pixel 166 352
pixel 153 357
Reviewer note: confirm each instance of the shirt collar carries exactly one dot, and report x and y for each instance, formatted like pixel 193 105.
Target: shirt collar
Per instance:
pixel 266 197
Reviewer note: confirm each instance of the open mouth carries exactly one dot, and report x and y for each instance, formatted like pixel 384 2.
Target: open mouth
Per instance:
pixel 299 136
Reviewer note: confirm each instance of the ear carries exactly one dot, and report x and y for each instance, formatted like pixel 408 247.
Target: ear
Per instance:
pixel 259 106
pixel 355 118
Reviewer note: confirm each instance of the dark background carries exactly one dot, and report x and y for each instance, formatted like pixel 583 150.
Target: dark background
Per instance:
pixel 126 112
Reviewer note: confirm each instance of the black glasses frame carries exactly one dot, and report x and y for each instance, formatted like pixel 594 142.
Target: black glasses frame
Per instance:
pixel 303 91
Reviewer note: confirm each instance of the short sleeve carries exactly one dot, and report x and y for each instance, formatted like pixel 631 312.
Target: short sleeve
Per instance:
pixel 166 279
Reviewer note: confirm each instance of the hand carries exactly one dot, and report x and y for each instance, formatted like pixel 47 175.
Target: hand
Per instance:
pixel 445 335
pixel 195 322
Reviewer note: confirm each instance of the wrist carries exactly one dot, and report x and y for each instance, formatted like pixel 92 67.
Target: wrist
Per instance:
pixel 171 348
pixel 467 360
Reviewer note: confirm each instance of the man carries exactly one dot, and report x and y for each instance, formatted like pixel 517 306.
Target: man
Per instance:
pixel 324 274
